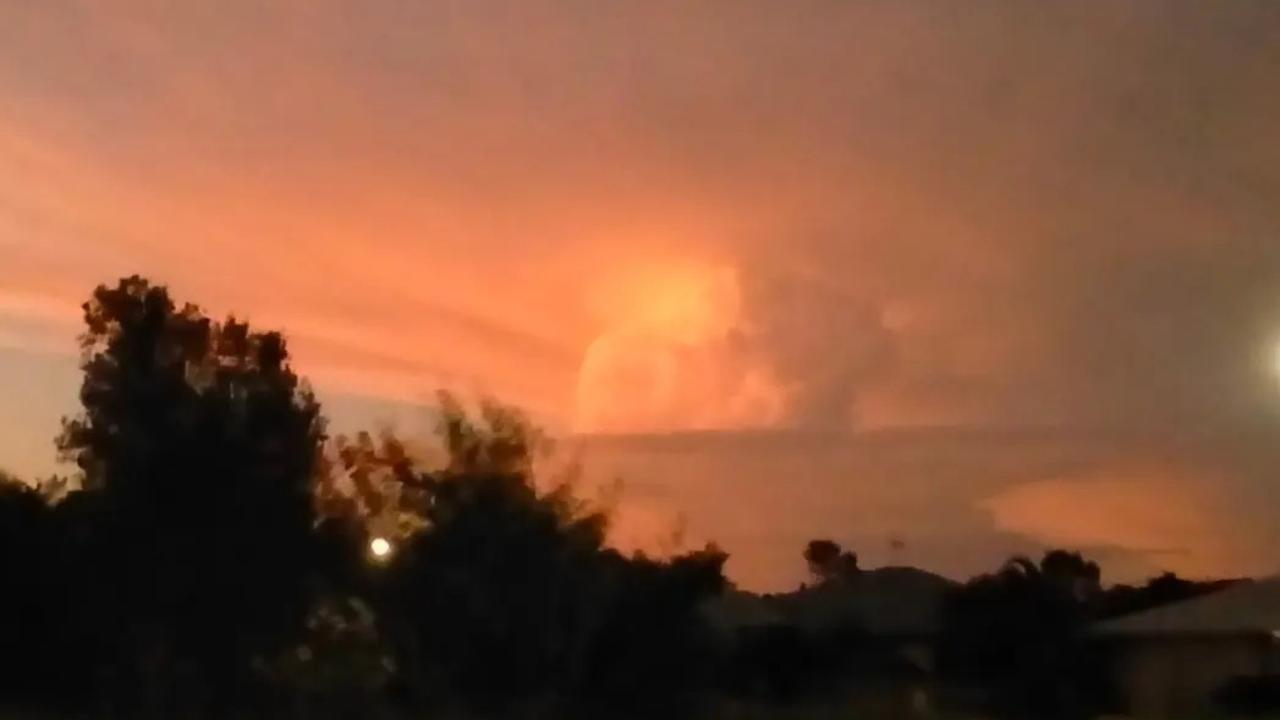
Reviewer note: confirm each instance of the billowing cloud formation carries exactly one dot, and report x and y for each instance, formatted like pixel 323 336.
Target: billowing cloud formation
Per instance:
pixel 1162 517
pixel 679 354
pixel 820 217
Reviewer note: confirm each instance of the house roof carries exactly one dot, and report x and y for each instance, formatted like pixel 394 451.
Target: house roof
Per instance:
pixel 1246 607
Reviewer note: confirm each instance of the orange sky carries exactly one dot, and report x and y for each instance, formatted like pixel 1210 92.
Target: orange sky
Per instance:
pixel 985 280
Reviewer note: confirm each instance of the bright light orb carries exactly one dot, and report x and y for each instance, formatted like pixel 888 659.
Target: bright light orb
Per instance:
pixel 380 547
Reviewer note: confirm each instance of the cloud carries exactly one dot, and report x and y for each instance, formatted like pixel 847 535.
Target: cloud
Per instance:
pixel 1163 519
pixel 676 356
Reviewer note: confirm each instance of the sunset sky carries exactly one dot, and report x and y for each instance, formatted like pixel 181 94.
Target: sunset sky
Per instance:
pixel 983 278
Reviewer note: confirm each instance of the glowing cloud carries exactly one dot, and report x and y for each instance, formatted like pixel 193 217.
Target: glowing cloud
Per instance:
pixel 1166 517
pixel 673 360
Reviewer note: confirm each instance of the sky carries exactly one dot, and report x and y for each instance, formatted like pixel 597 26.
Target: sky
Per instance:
pixel 941 282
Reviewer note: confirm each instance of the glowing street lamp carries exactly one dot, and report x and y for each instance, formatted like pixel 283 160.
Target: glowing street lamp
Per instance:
pixel 380 547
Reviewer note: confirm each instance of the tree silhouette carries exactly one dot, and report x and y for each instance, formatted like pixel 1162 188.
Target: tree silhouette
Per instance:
pixel 1073 575
pixel 196 445
pixel 1018 634
pixel 1161 590
pixel 45 658
pixel 25 615
pixel 503 594
pixel 651 652
pixel 487 600
pixel 827 561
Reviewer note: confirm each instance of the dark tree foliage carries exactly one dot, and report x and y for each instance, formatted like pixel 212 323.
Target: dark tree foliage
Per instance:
pixel 819 646
pixel 775 663
pixel 505 594
pixel 782 663
pixel 828 561
pixel 501 592
pixel 651 652
pixel 46 656
pixel 26 619
pixel 1017 634
pixel 196 444
pixel 493 595
pixel 1072 575
pixel 1160 590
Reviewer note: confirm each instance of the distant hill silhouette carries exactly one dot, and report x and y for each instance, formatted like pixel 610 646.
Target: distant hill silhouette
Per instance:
pixel 885 602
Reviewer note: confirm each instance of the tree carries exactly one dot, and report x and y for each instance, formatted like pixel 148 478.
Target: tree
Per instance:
pixel 505 594
pixel 1160 590
pixel 1018 634
pixel 47 654
pixel 1072 574
pixel 827 561
pixel 196 446
pixel 651 652
pixel 25 613
pixel 490 598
